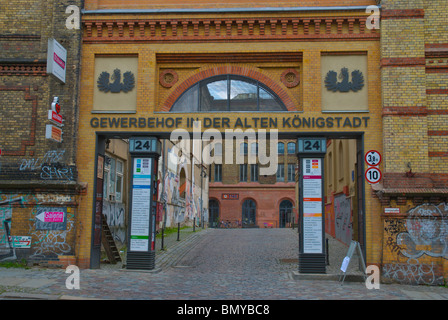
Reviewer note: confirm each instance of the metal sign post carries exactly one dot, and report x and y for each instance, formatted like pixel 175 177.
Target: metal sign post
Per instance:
pixel 311 153
pixel 145 152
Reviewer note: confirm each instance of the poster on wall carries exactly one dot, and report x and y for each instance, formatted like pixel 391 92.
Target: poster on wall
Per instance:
pixel 312 205
pixel 141 205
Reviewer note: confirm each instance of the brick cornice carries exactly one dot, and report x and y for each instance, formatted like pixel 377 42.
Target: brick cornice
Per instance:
pixel 227 28
pixel 23 69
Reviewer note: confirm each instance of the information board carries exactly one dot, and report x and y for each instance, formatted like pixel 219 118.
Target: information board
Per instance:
pixel 312 205
pixel 141 204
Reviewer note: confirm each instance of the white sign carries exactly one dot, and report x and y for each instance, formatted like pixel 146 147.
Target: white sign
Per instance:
pixel 56 59
pixel 312 205
pixel 53 133
pixel 373 175
pixel 392 210
pixel 21 241
pixel 345 263
pixel 141 202
pixel 373 158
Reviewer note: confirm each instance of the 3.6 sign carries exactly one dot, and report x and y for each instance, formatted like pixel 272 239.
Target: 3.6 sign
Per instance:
pixel 373 158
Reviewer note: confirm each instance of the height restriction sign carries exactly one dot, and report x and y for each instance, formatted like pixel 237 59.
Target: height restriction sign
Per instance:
pixel 373 158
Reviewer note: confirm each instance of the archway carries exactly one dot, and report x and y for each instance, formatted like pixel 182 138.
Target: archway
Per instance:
pixel 285 211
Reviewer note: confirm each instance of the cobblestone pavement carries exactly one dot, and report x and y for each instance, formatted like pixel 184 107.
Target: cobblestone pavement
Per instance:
pixel 209 264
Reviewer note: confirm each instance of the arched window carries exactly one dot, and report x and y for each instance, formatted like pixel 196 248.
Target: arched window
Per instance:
pixel 280 148
pixel 182 183
pixel 291 148
pixel 228 93
pixel 285 213
pixel 243 148
pixel 249 213
pixel 213 213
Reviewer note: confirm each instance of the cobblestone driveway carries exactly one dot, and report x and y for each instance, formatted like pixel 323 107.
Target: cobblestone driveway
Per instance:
pixel 213 264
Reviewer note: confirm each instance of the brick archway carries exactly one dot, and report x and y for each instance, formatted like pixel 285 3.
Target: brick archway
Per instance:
pixel 235 70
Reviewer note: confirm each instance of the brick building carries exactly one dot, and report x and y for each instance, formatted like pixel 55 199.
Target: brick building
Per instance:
pixel 239 194
pixel 38 174
pixel 318 69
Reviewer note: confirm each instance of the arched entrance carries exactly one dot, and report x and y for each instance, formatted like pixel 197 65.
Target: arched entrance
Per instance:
pixel 285 211
pixel 249 213
pixel 213 213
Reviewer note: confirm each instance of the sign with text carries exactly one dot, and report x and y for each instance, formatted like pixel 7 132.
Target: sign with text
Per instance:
pixel 373 175
pixel 373 158
pixel 230 196
pixel 312 205
pixel 51 218
pixel 141 205
pixel 53 133
pixel 56 59
pixel 21 242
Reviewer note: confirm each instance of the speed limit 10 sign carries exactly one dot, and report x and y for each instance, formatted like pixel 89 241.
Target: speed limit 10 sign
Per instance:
pixel 373 175
pixel 373 158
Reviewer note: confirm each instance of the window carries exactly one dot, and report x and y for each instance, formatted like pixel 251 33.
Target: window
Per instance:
pixel 281 173
pixel 218 172
pixel 218 149
pixel 254 172
pixel 280 148
pixel 243 172
pixel 228 93
pixel 291 172
pixel 119 183
pixel 113 179
pixel 291 148
pixel 254 148
pixel 243 148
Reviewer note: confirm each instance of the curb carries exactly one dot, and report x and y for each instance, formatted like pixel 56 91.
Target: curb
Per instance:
pixel 27 296
pixel 325 277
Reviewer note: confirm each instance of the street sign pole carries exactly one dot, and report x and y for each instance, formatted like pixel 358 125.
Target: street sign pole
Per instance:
pixel 311 153
pixel 145 152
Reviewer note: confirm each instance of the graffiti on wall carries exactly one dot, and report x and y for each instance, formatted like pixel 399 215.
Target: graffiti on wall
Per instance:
pixel 427 232
pixel 7 251
pixel 343 221
pixel 51 166
pixel 45 243
pixel 115 218
pixel 417 243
